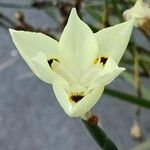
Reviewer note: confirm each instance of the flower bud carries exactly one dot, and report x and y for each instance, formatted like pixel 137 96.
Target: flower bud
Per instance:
pixel 140 12
pixel 136 132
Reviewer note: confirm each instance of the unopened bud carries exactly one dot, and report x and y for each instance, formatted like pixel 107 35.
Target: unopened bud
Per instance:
pixel 136 132
pixel 140 12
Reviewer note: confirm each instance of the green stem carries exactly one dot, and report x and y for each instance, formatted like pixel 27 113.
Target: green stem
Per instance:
pixel 100 136
pixel 137 80
pixel 127 97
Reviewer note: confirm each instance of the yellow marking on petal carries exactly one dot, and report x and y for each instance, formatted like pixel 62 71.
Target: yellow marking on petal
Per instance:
pixel 96 60
pixel 101 60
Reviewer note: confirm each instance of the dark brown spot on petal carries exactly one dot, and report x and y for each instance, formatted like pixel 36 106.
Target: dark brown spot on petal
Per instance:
pixel 103 60
pixel 76 97
pixel 51 61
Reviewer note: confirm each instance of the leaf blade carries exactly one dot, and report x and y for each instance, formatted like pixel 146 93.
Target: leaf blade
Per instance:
pixel 128 98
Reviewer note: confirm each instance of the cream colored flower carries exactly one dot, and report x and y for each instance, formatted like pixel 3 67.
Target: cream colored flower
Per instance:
pixel 79 65
pixel 140 12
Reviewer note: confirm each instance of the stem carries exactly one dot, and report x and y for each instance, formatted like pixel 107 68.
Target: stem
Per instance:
pixel 137 82
pixel 105 15
pixel 137 74
pixel 100 136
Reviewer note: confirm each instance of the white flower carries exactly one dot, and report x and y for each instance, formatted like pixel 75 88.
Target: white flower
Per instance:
pixel 140 12
pixel 79 65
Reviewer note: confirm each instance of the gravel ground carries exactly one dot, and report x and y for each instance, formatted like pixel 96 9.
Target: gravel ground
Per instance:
pixel 30 116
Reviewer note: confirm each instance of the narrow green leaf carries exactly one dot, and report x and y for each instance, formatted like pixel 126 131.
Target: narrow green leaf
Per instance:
pixel 128 98
pixel 100 136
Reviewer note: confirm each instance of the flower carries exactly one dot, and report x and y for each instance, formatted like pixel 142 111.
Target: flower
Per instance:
pixel 79 65
pixel 140 12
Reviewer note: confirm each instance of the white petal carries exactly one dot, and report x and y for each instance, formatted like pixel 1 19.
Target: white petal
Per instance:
pixel 94 72
pixel 87 103
pixel 78 46
pixel 108 77
pixel 31 43
pixel 110 72
pixel 60 88
pixel 36 45
pixel 114 40
pixel 41 68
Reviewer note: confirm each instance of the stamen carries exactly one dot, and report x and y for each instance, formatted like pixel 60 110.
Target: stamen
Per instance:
pixel 51 61
pixel 96 60
pixel 103 60
pixel 76 97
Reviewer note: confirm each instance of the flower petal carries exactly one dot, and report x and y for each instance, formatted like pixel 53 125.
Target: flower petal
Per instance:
pixel 114 40
pixel 40 67
pixel 86 104
pixel 78 46
pixel 31 43
pixel 108 77
pixel 110 72
pixel 61 89
pixel 36 49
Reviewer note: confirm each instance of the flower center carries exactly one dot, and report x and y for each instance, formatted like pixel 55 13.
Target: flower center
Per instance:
pixel 76 97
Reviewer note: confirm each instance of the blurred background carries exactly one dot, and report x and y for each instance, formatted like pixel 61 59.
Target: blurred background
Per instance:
pixel 30 116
